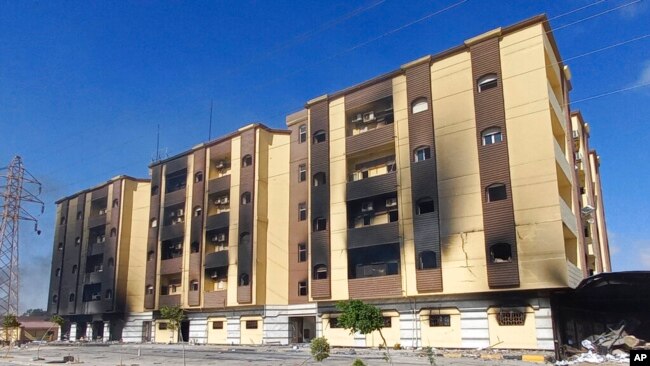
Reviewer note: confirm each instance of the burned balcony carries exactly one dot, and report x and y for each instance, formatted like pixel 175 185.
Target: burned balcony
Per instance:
pixel 215 286
pixel 172 248
pixel 173 221
pixel 375 261
pixel 170 290
pixel 374 177
pixel 97 215
pixel 176 181
pixel 217 240
pixel 370 116
pixel 96 240
pixel 219 167
pixel 92 292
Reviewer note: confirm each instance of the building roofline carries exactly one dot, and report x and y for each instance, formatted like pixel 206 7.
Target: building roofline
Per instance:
pixel 221 139
pixel 101 185
pixel 497 32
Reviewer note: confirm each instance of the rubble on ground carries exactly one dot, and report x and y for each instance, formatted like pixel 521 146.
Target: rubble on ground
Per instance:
pixel 611 346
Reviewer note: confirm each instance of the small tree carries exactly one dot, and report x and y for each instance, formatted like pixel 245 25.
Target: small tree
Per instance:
pixel 174 316
pixel 10 323
pixel 358 316
pixel 320 348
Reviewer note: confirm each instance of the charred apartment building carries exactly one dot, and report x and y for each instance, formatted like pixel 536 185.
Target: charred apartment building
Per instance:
pixel 456 193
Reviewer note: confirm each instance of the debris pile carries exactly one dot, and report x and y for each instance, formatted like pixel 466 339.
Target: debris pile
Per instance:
pixel 612 346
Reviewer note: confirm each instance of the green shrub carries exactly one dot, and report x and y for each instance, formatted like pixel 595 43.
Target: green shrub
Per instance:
pixel 358 362
pixel 320 348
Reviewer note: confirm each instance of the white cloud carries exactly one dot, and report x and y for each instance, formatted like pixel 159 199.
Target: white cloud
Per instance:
pixel 633 10
pixel 644 77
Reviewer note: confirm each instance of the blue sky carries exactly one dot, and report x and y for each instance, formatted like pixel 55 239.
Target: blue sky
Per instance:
pixel 83 85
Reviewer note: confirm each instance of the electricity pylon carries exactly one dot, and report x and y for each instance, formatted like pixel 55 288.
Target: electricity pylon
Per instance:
pixel 17 180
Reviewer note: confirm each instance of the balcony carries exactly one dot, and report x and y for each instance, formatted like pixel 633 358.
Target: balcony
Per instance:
pixel 215 299
pixel 169 300
pixel 218 221
pixel 175 197
pixel 93 277
pixel 379 136
pixel 373 186
pixel 219 184
pixel 170 266
pixel 96 220
pixel 568 218
pixel 574 275
pixel 216 259
pixel 172 231
pixel 367 236
pixel 375 287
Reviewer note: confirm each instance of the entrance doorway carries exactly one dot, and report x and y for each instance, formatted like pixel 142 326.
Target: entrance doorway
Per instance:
pixel 185 330
pixel 146 331
pixel 98 330
pixel 302 329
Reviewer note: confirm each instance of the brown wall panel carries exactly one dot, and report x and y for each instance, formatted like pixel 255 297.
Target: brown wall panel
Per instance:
pixel 369 94
pixel 424 176
pixel 245 250
pixel 380 136
pixel 215 299
pixel 320 196
pixel 196 224
pixel 375 287
pixel 494 165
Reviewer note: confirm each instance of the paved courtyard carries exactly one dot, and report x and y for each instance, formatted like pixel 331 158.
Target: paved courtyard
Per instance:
pixel 145 355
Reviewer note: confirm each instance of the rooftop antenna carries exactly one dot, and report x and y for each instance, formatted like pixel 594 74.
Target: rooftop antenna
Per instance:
pixel 157 155
pixel 210 127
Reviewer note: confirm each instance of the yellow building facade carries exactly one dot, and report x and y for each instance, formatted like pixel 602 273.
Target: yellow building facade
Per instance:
pixel 456 193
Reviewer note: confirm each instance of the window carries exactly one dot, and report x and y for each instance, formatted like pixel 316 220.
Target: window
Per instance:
pixel 419 105
pixel 62 220
pixel 60 246
pixel 194 285
pixel 302 288
pixel 367 220
pixel 500 253
pixel 154 190
pixel 251 324
pixel 319 136
pixel 496 192
pixel 150 255
pixel 77 241
pixel 302 211
pixel 71 297
pixel 162 326
pixel 319 179
pixel 334 323
pixel 391 167
pixel 393 216
pixel 320 224
pixel 424 205
pixel 115 203
pixel 302 252
pixel 486 82
pixel 154 222
pixel 198 177
pixel 111 262
pixel 108 294
pixel 427 260
pixel 247 160
pixel 55 299
pixel 387 322
pixel 194 247
pixel 246 198
pixel 511 317
pixel 302 172
pixel 79 215
pixel 74 269
pixel 113 232
pixel 217 325
pixel 58 272
pixel 320 272
pixel 366 206
pixel 149 290
pixel 422 153
pixel 244 280
pixel 197 211
pixel 491 136
pixel 439 320
pixel 302 134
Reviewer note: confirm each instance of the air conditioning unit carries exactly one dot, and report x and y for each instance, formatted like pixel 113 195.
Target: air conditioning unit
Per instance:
pixel 224 200
pixel 214 275
pixel 180 212
pixel 391 202
pixel 172 214
pixel 102 211
pixel 221 237
pixel 358 118
pixel 366 207
pixel 220 164
pixel 369 116
pixel 95 297
pixel 578 156
pixel 178 246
